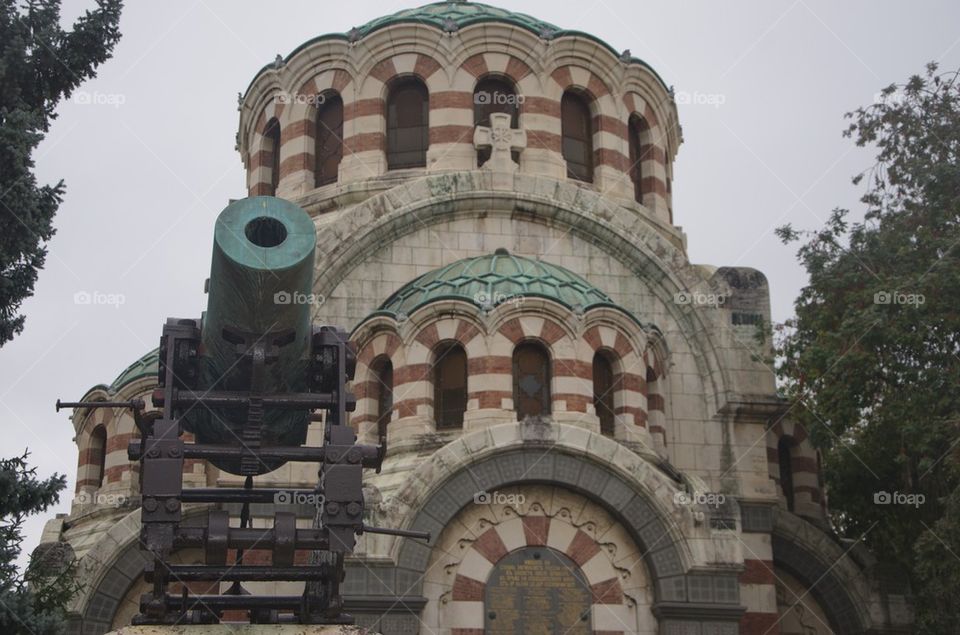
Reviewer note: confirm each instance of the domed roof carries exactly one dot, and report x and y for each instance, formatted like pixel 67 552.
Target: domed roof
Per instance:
pixel 451 16
pixel 487 281
pixel 146 365
pixel 454 15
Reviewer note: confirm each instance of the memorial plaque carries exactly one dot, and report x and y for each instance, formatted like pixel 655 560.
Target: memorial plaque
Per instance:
pixel 537 591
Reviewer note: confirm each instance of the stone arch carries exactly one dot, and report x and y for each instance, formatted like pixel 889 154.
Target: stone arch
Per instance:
pixel 109 571
pixel 824 568
pixel 629 488
pixel 409 207
pixel 531 519
pixel 379 344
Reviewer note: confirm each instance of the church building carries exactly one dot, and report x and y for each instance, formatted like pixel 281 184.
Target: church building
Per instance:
pixel 585 420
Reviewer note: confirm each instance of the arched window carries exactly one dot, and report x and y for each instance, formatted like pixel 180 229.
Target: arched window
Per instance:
pixel 450 386
pixel 493 94
pixel 383 392
pixel 272 134
pixel 637 130
pixel 784 447
pixel 98 453
pixel 328 149
pixel 531 380
pixel 408 133
pixel 577 131
pixel 603 389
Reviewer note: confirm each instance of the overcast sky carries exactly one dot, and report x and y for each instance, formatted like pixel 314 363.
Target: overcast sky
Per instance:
pixel 147 153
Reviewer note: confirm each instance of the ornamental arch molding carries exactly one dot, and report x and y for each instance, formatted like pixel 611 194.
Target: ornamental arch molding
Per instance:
pixel 633 239
pixel 626 486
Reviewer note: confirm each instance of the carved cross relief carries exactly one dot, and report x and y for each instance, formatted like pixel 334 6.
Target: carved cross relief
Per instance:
pixel 502 140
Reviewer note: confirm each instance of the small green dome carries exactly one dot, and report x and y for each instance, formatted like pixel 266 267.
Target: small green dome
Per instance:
pixel 487 281
pixel 452 16
pixel 143 367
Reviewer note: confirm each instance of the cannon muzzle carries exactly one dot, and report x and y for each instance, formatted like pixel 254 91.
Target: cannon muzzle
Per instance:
pixel 256 331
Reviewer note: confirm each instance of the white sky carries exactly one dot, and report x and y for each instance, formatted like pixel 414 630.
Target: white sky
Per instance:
pixel 147 177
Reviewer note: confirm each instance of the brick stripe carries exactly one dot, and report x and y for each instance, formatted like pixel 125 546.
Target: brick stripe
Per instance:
pixel 536 529
pixel 467 589
pixel 490 398
pixel 582 548
pixel 759 624
pixel 607 592
pixel 490 545
pixel 757 572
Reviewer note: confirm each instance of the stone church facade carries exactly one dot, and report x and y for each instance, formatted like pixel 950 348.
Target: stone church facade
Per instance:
pixel 585 420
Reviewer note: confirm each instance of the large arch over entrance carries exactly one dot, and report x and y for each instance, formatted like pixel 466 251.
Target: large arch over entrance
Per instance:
pixel 684 595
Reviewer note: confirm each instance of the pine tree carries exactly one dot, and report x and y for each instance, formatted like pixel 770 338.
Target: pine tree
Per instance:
pixel 40 64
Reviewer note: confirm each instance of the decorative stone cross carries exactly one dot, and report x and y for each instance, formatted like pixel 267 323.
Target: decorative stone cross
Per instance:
pixel 502 140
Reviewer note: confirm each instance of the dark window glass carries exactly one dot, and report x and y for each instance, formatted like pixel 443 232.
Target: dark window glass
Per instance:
pixel 577 137
pixel 273 147
pixel 603 392
pixel 98 452
pixel 494 95
pixel 329 140
pixel 531 380
pixel 450 386
pixel 383 391
pixel 408 133
pixel 636 131
pixel 786 469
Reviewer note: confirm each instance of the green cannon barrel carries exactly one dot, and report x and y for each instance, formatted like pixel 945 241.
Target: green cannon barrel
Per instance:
pixel 260 292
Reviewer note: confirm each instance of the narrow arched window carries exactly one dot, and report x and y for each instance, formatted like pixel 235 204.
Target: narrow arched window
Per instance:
pixel 383 393
pixel 272 134
pixel 328 149
pixel 603 389
pixel 531 380
pixel 98 454
pixel 784 447
pixel 577 131
pixel 491 95
pixel 450 386
pixel 637 130
pixel 408 134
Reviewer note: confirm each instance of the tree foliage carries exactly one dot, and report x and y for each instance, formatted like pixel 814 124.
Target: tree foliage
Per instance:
pixel 40 64
pixel 871 357
pixel 32 603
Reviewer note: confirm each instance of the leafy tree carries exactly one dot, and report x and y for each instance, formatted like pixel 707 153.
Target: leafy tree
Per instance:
pixel 32 603
pixel 40 64
pixel 871 357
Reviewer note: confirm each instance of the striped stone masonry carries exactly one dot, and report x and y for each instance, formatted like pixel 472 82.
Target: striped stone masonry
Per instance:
pixel 489 342
pixel 361 77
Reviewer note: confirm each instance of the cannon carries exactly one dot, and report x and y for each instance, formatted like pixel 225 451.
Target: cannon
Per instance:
pixel 259 293
pixel 247 379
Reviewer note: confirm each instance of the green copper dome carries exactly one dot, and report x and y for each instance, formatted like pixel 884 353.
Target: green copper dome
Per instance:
pixel 143 367
pixel 450 17
pixel 453 16
pixel 487 281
